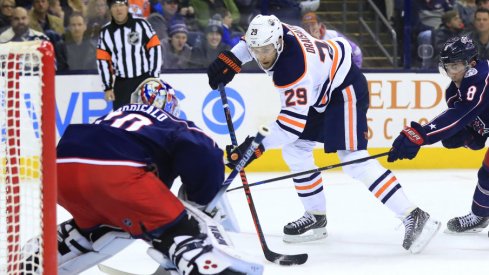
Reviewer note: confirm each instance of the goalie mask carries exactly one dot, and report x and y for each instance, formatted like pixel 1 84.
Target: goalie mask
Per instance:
pixel 157 93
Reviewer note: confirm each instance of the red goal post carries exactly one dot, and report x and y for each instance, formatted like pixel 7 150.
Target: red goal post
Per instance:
pixel 28 156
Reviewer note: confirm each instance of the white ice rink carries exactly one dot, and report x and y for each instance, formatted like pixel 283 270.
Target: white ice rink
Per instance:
pixel 364 236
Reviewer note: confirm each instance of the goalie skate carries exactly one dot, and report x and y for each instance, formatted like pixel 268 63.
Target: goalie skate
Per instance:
pixel 310 227
pixel 420 229
pixel 467 224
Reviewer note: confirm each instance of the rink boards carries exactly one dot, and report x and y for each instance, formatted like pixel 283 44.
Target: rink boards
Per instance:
pixel 395 100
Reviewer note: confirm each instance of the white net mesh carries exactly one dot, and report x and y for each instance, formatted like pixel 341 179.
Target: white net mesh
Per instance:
pixel 20 153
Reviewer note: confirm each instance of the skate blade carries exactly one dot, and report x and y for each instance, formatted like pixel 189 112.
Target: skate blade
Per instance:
pixel 317 234
pixel 429 231
pixel 467 232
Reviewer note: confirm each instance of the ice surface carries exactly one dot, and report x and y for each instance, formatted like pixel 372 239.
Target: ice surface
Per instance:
pixel 364 236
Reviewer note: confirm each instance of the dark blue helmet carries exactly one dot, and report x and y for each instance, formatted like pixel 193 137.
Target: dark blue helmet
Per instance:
pixel 458 49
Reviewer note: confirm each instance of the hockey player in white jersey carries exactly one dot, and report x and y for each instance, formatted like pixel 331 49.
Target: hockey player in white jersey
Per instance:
pixel 324 98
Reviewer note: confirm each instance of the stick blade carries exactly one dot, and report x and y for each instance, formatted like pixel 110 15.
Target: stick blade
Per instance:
pixel 282 259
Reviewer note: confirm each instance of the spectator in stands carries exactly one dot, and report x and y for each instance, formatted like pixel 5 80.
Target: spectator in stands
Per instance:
pixel 429 13
pixel 56 9
pixel 313 25
pixel 203 55
pixel 40 20
pixel 482 4
pixel 161 22
pixel 71 6
pixel 230 35
pixel 19 29
pixel 140 8
pixel 207 8
pixel 77 51
pixel 176 51
pixel 452 25
pixel 466 10
pixel 97 15
pixel 6 10
pixel 480 34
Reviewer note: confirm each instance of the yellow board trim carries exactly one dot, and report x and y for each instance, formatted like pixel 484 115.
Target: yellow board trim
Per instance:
pixel 427 158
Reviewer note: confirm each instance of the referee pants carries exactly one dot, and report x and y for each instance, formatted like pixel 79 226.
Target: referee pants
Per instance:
pixel 124 87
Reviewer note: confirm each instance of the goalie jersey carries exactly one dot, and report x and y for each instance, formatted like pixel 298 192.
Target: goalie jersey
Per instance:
pixel 306 75
pixel 467 106
pixel 145 136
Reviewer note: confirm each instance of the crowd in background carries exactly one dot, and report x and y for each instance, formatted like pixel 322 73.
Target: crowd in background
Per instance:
pixel 435 21
pixel 193 32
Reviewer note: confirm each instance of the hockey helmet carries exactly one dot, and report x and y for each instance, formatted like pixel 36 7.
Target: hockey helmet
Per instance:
pixel 458 49
pixel 265 30
pixel 158 93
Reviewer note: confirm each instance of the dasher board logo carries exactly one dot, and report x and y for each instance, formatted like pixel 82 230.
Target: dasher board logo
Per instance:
pixel 133 38
pixel 213 113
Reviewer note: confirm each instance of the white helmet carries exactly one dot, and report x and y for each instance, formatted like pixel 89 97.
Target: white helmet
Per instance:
pixel 309 5
pixel 264 30
pixel 156 92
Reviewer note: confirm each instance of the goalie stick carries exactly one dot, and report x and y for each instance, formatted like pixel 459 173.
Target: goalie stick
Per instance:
pixel 341 164
pixel 281 259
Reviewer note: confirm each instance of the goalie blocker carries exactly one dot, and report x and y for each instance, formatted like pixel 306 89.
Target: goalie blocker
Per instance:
pixel 195 244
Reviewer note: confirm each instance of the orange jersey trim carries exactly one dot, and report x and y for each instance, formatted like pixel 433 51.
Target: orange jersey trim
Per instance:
pixel 350 117
pixel 386 185
pixel 103 55
pixel 334 67
pixel 153 42
pixel 293 122
pixel 310 186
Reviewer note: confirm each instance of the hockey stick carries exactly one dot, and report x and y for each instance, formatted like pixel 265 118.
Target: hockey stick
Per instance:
pixel 114 271
pixel 341 164
pixel 271 256
pixel 262 132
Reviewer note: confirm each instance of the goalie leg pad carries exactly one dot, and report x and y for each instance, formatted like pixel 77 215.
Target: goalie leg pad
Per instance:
pixel 199 245
pixel 78 252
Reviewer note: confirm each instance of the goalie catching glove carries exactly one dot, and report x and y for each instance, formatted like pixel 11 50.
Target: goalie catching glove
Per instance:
pixel 235 153
pixel 223 69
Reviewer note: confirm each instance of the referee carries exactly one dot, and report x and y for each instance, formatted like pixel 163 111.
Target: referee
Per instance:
pixel 129 49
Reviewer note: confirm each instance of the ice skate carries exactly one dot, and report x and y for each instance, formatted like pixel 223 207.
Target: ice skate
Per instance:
pixel 467 224
pixel 420 229
pixel 310 227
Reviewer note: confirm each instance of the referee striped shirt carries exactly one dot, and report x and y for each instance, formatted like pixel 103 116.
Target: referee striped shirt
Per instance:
pixel 127 51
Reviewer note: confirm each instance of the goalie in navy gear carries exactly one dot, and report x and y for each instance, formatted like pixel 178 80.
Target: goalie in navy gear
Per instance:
pixel 114 178
pixel 462 124
pixel 324 98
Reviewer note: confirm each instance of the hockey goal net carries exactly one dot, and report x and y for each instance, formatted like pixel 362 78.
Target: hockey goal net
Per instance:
pixel 27 154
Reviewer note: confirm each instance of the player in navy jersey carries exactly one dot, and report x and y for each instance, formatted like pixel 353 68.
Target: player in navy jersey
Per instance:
pixel 114 178
pixel 463 124
pixel 324 98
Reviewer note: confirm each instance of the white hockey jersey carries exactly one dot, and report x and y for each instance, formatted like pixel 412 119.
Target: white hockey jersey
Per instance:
pixel 306 73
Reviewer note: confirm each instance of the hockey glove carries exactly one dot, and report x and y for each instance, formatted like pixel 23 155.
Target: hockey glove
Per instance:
pixel 236 153
pixel 467 138
pixel 408 143
pixel 223 69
